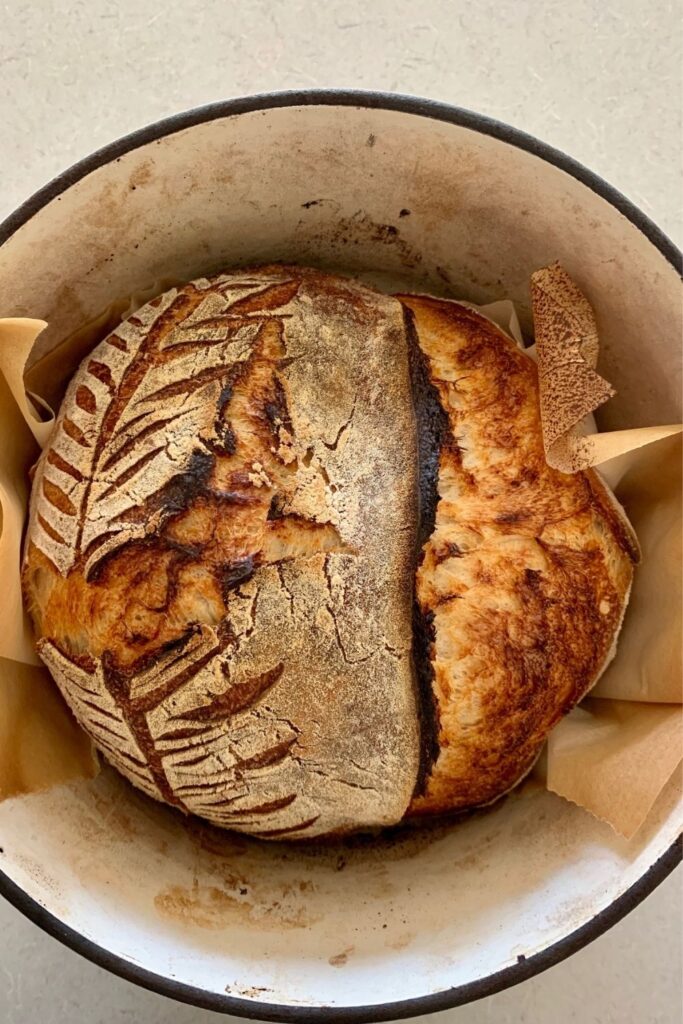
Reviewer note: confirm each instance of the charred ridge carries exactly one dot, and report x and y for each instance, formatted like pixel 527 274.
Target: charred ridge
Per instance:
pixel 276 409
pixel 118 678
pixel 232 574
pixel 171 500
pixel 432 433
pixel 428 712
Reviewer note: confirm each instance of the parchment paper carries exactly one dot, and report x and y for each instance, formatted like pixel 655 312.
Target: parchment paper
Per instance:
pixel 504 315
pixel 614 757
pixel 41 745
pixel 17 338
pixel 590 764
pixel 18 451
pixel 47 373
pixel 651 641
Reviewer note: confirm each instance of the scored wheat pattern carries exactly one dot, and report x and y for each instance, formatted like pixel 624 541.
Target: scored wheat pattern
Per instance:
pixel 138 437
pixel 101 475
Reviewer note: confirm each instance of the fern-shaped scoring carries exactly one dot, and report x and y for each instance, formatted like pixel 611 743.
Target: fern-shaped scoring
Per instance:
pixel 114 465
pixel 228 760
pixel 176 431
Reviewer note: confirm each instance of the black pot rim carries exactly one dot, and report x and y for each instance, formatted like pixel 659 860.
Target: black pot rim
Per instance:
pixel 524 967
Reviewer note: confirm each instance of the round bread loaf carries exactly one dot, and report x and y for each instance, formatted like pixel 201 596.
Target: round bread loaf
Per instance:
pixel 297 563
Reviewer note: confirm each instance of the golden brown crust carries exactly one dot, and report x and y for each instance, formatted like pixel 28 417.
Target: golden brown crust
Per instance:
pixel 526 575
pixel 218 586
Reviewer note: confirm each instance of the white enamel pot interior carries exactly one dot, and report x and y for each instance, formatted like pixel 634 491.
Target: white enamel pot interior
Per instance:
pixel 441 200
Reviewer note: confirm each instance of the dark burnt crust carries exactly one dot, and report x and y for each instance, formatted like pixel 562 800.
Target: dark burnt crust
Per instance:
pixel 277 411
pixel 235 572
pixel 432 430
pixel 171 500
pixel 428 708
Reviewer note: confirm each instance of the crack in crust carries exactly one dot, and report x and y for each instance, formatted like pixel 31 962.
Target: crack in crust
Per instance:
pixel 330 606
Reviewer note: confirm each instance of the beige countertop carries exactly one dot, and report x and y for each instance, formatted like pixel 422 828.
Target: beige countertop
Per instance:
pixel 599 80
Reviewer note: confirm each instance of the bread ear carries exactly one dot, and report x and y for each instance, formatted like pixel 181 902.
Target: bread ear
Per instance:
pixel 525 576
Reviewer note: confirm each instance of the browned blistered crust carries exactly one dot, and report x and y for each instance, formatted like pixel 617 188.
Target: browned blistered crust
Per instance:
pixel 221 532
pixel 525 578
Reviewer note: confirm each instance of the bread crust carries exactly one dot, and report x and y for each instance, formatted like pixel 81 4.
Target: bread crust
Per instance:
pixel 297 562
pixel 216 558
pixel 525 578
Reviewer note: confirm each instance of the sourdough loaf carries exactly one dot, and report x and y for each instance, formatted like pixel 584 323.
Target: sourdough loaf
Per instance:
pixel 297 563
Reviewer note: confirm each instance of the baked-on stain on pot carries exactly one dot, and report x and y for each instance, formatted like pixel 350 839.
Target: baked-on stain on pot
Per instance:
pixel 242 888
pixel 339 959
pixel 361 229
pixel 142 175
pixel 211 907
